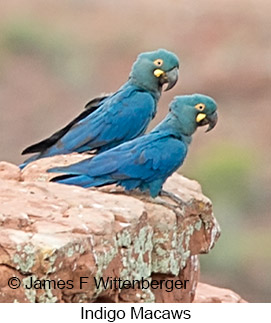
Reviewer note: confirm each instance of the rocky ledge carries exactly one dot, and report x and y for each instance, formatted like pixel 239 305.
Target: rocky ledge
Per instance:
pixel 65 239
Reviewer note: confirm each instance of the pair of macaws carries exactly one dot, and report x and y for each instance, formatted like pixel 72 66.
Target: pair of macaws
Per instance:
pixel 113 126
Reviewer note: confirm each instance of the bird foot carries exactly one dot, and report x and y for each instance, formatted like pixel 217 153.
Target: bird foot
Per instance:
pixel 157 200
pixel 160 201
pixel 175 208
pixel 172 196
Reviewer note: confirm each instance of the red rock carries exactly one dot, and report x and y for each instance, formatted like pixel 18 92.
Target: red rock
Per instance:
pixel 59 232
pixel 210 294
pixel 9 171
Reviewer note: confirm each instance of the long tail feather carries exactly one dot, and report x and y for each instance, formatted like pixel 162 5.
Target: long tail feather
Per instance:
pixel 78 180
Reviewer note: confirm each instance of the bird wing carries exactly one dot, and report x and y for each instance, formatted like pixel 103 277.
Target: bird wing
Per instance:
pixel 121 118
pixel 158 159
pixel 90 107
pixel 146 158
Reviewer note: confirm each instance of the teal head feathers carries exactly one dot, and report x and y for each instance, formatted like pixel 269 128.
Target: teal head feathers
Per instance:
pixel 187 113
pixel 153 69
pixel 193 111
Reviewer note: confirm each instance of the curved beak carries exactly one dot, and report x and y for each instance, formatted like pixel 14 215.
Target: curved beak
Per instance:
pixel 211 120
pixel 170 77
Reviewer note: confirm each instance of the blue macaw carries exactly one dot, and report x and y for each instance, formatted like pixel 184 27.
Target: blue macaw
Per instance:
pixel 146 162
pixel 113 119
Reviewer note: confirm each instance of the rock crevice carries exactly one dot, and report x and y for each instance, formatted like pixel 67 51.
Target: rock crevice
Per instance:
pixel 52 232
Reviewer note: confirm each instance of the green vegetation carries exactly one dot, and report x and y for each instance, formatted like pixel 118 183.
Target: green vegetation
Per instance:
pixel 229 175
pixel 225 173
pixel 50 46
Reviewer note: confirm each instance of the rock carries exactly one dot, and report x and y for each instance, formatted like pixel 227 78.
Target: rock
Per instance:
pixel 190 273
pixel 9 171
pixel 210 294
pixel 58 232
pixel 36 171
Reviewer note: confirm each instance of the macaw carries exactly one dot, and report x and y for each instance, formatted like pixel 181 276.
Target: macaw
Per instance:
pixel 147 161
pixel 112 119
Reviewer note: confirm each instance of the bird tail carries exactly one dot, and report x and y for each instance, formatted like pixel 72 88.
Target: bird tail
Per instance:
pixel 82 180
pixel 78 180
pixel 27 161
pixel 74 177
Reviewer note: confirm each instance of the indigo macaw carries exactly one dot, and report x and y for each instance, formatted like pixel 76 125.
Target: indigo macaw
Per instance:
pixel 112 119
pixel 146 162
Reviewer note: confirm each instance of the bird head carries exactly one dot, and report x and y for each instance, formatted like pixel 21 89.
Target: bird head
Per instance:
pixel 153 69
pixel 193 111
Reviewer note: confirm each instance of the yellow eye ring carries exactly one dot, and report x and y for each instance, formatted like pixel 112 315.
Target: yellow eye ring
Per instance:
pixel 200 106
pixel 158 62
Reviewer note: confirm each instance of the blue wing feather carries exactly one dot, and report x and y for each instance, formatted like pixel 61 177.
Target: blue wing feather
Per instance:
pixel 143 163
pixel 122 118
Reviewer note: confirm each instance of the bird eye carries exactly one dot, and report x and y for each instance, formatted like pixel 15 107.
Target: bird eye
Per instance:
pixel 200 106
pixel 158 62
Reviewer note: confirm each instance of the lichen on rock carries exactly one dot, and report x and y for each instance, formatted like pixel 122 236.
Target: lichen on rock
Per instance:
pixel 58 232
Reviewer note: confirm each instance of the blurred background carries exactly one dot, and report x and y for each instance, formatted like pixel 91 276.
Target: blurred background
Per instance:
pixel 56 55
